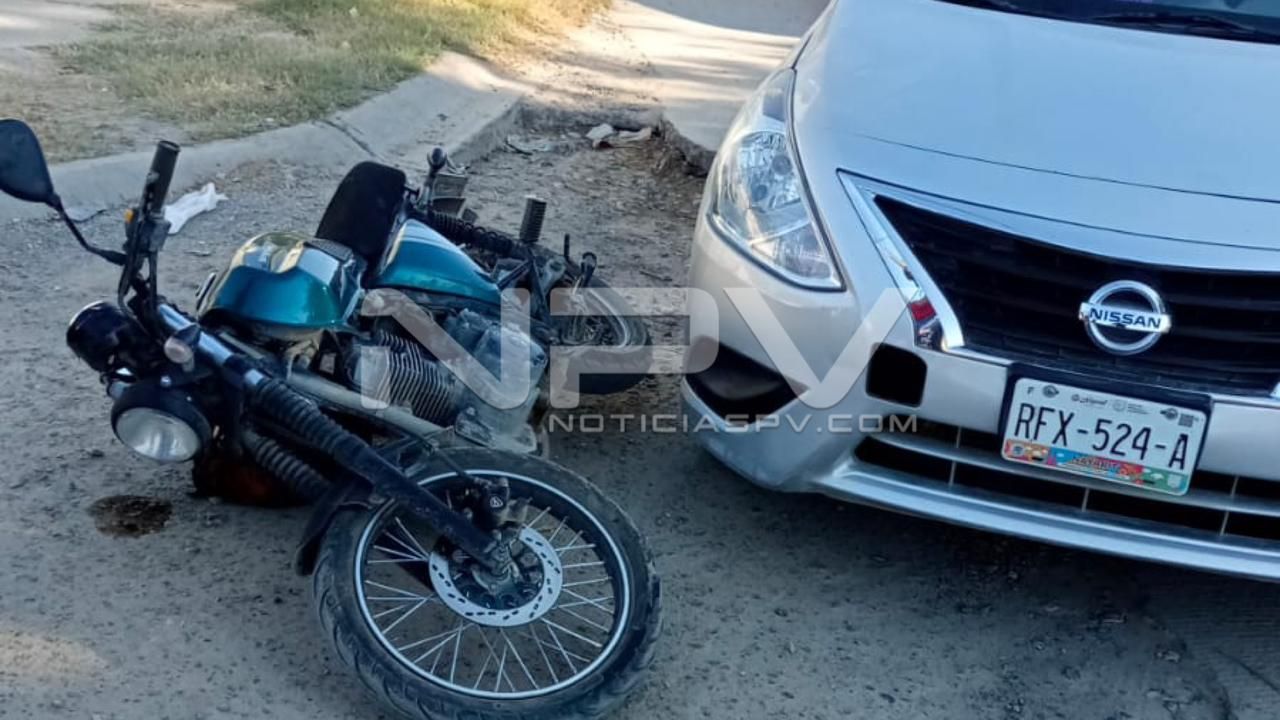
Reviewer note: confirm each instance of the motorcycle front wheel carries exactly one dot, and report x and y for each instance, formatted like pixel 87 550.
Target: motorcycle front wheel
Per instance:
pixel 432 636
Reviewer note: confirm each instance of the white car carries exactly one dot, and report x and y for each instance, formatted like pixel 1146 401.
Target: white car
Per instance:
pixel 1013 264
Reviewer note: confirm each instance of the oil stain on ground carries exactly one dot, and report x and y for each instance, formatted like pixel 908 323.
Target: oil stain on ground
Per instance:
pixel 130 515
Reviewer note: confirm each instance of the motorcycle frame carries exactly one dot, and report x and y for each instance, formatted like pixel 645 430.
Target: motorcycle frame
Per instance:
pixel 220 364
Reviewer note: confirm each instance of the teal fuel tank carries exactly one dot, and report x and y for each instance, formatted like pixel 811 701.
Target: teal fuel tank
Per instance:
pixel 286 285
pixel 422 259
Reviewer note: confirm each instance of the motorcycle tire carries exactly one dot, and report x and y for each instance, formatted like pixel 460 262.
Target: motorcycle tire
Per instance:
pixel 630 341
pixel 362 627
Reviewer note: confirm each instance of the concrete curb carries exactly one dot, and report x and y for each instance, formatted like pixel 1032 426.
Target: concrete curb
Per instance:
pixel 459 104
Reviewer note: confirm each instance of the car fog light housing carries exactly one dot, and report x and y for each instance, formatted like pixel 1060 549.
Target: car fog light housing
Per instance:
pixel 160 425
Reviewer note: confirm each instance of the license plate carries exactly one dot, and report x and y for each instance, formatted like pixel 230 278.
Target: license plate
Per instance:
pixel 1146 444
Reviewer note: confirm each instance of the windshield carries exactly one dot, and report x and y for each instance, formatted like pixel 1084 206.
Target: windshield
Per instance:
pixel 1250 20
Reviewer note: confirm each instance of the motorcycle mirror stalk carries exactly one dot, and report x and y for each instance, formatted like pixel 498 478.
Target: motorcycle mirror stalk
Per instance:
pixel 24 174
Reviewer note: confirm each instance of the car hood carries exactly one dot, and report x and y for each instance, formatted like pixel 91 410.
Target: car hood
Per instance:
pixel 1008 109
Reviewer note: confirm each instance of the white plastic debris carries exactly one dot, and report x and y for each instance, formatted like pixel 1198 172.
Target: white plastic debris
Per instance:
pixel 598 134
pixel 632 137
pixel 191 205
pixel 526 146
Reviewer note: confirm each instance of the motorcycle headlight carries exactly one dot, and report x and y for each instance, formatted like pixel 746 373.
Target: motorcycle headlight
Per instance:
pixel 159 424
pixel 758 199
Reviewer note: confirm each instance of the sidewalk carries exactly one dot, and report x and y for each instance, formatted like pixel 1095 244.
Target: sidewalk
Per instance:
pixel 692 61
pixel 707 56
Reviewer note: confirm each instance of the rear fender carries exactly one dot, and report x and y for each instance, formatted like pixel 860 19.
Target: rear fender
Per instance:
pixel 342 496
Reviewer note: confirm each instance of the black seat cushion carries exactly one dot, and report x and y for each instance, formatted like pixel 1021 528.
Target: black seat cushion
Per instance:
pixel 362 211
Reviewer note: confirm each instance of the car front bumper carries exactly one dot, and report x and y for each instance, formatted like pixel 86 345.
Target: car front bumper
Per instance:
pixel 1229 522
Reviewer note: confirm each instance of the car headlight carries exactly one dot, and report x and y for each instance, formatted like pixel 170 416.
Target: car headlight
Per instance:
pixel 758 200
pixel 159 424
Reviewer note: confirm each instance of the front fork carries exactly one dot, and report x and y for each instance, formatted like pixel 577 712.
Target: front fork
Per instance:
pixel 495 503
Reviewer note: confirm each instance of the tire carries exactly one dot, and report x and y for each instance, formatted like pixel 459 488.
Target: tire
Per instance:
pixel 636 349
pixel 390 678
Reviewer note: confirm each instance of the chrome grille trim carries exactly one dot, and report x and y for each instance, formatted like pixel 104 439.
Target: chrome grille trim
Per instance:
pixel 1016 296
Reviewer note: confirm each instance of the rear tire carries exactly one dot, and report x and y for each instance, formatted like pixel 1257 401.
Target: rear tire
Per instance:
pixel 634 348
pixel 390 677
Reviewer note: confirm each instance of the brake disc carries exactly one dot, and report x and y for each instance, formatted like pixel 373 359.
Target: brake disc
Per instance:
pixel 480 612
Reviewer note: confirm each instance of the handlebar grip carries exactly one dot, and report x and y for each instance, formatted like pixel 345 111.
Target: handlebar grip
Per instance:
pixel 159 177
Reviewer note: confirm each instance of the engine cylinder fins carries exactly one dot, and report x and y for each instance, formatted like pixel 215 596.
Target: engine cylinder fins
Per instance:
pixel 392 370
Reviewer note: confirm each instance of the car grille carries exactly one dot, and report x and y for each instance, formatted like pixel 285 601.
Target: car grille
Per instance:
pixel 1019 298
pixel 1222 508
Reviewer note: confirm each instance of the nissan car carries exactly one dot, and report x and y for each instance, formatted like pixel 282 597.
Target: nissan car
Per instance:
pixel 1012 264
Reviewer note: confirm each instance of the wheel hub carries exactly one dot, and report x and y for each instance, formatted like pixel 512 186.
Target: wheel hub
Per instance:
pixel 502 603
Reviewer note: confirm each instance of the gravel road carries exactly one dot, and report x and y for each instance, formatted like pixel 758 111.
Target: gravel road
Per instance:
pixel 778 606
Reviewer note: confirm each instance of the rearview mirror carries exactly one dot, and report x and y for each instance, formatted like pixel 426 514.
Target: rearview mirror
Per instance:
pixel 24 173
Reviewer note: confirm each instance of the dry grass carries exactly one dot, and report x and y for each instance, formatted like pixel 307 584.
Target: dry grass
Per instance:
pixel 231 69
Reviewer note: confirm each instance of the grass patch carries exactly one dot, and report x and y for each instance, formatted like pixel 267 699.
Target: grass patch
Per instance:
pixel 232 69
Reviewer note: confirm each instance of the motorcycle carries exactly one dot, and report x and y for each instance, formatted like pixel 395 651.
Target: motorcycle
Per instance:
pixel 454 570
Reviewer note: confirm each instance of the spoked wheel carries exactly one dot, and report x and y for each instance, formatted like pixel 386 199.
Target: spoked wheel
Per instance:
pixel 566 633
pixel 599 321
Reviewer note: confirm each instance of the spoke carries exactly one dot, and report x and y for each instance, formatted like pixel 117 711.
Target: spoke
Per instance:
pixel 533 523
pixel 398 561
pixel 436 648
pixel 571 566
pixel 410 547
pixel 483 667
pixel 525 668
pixel 412 538
pixel 580 583
pixel 533 629
pixel 577 535
pixel 396 553
pixel 592 623
pixel 554 646
pixel 461 626
pixel 552 539
pixel 424 641
pixel 502 665
pixel 571 633
pixel 457 643
pixel 594 602
pixel 491 654
pixel 386 630
pixel 406 593
pixel 556 639
pixel 502 673
pixel 589 602
pixel 401 606
pixel 570 548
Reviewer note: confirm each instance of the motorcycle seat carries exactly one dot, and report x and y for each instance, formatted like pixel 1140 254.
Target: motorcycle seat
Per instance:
pixel 362 212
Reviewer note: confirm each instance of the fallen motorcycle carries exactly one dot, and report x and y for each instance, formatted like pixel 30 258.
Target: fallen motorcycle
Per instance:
pixel 454 571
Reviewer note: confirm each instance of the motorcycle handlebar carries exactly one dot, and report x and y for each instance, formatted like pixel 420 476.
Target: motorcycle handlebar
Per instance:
pixel 159 177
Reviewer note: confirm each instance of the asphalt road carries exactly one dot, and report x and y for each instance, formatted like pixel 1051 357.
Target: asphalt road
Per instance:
pixel 778 606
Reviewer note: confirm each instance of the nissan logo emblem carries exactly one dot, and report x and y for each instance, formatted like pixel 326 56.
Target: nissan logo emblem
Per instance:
pixel 1125 317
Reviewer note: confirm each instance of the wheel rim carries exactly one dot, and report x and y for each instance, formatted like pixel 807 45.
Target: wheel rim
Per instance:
pixel 602 314
pixel 415 607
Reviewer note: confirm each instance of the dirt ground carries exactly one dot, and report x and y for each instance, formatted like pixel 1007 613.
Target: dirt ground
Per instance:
pixel 778 606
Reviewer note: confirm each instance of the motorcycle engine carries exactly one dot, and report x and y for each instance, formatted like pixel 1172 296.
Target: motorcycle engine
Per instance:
pixel 461 385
